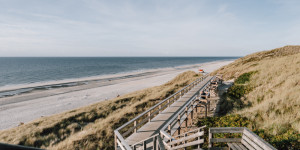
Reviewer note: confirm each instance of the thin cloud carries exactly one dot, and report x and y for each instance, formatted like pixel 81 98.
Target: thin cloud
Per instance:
pixel 144 28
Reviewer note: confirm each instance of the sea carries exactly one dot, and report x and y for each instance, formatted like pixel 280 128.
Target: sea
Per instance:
pixel 26 70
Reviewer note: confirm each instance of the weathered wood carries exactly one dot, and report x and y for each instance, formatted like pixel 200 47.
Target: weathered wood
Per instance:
pixel 227 130
pixel 155 143
pixel 166 145
pixel 144 145
pixel 189 144
pixel 120 144
pixel 225 140
pixel 244 142
pixel 209 139
pixel 187 138
pixel 258 140
pixel 191 131
pixel 161 104
pixel 253 144
pixel 232 146
pixel 160 143
pixel 115 142
pixel 241 146
pixel 149 116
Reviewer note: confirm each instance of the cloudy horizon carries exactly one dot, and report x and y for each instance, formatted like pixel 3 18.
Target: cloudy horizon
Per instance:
pixel 146 28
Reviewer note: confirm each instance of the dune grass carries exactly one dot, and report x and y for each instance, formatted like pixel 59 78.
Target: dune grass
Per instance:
pixel 266 91
pixel 91 127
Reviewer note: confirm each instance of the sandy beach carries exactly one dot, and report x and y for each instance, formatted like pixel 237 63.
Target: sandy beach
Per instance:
pixel 38 103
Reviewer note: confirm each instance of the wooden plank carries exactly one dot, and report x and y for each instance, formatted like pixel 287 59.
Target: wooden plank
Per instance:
pixel 237 146
pixel 191 131
pixel 160 143
pixel 250 142
pixel 258 140
pixel 136 126
pixel 122 141
pixel 120 144
pixel 166 145
pixel 189 144
pixel 158 104
pixel 246 144
pixel 231 146
pixel 166 117
pixel 225 140
pixel 242 146
pixel 165 134
pixel 227 130
pixel 187 138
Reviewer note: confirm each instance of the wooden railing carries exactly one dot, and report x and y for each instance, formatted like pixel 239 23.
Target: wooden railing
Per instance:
pixel 154 142
pixel 186 139
pixel 133 125
pixel 247 139
pixel 174 124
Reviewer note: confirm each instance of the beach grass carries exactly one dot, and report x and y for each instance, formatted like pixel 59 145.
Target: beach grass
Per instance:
pixel 266 91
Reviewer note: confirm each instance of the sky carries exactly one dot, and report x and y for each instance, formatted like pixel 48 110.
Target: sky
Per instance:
pixel 50 28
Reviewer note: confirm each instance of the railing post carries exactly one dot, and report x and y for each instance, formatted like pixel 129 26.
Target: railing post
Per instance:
pixel 192 115
pixel 198 139
pixel 205 110
pixel 208 105
pixel 134 124
pixel 149 115
pixel 180 93
pixel 186 120
pixel 178 121
pixel 209 139
pixel 116 143
pixel 154 143
pixel 169 102
pixel 185 140
pixel 169 128
pixel 159 107
pixel 144 145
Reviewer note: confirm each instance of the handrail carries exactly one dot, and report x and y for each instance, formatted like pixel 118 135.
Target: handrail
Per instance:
pixel 153 107
pixel 145 139
pixel 122 140
pixel 182 91
pixel 184 107
pixel 190 131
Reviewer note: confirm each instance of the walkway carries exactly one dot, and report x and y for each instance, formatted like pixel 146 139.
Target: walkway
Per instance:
pixel 153 127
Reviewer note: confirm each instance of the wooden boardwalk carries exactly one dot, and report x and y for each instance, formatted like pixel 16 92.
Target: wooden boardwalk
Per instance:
pixel 153 127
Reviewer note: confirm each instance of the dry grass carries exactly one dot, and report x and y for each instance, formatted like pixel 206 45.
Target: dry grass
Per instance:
pixel 275 96
pixel 91 127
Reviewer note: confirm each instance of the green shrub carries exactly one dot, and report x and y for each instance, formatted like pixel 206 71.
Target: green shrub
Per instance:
pixel 242 79
pixel 224 121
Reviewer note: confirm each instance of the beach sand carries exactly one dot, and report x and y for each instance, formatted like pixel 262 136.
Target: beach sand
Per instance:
pixel 30 106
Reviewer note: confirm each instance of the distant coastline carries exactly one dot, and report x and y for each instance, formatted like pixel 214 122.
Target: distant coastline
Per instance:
pixel 30 80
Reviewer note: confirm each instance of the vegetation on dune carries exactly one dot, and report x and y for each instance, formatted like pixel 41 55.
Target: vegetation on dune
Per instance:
pixel 287 140
pixel 91 127
pixel 266 92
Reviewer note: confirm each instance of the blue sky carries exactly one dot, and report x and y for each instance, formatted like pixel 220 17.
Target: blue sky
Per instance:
pixel 146 27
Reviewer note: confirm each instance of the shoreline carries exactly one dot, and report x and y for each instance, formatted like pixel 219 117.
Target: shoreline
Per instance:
pixel 19 89
pixel 48 102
